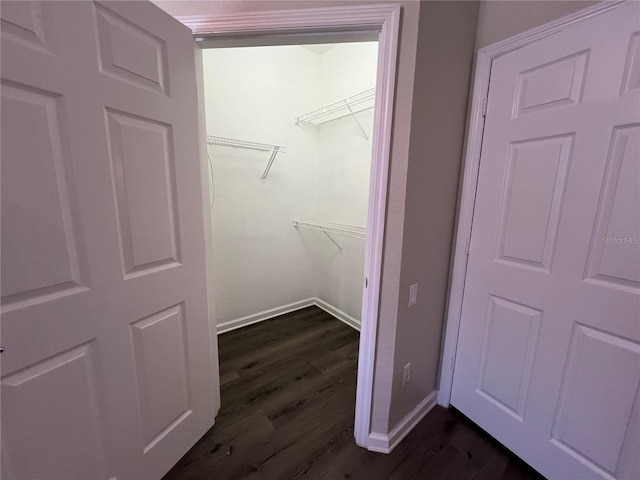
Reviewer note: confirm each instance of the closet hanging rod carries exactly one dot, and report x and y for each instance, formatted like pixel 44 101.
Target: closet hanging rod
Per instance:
pixel 344 230
pixel 344 104
pixel 261 147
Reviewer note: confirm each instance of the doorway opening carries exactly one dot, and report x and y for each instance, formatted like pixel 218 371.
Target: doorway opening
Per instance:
pixel 290 132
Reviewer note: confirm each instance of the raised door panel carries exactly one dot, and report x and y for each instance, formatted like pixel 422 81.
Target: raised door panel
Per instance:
pixel 509 347
pixel 631 80
pixel 144 180
pixel 555 84
pixel 51 411
pixel 28 24
pixel 160 351
pixel 602 375
pixel 130 53
pixel 629 460
pixel 535 179
pixel 614 258
pixel 41 251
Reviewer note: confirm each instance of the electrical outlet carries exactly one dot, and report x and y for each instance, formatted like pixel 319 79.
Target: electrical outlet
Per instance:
pixel 413 294
pixel 406 373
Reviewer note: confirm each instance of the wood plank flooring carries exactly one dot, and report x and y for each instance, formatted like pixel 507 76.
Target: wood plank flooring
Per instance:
pixel 288 397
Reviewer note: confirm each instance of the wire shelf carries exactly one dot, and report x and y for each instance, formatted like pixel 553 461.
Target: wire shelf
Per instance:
pixel 261 147
pixel 333 229
pixel 235 143
pixel 346 107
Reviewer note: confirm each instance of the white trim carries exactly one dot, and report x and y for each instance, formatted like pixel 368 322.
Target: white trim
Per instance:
pixel 301 21
pixel 264 315
pixel 386 20
pixel 386 443
pixel 484 58
pixel 339 314
pixel 291 307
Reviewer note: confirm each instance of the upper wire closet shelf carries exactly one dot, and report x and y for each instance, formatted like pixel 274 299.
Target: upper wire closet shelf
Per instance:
pixel 261 147
pixel 346 107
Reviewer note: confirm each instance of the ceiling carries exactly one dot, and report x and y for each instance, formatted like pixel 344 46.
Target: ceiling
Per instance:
pixel 318 48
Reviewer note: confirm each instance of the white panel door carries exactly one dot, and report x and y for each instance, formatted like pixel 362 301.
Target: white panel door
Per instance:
pixel 548 356
pixel 108 371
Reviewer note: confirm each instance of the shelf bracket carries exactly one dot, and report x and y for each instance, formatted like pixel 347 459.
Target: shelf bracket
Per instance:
pixel 270 162
pixel 331 238
pixel 357 121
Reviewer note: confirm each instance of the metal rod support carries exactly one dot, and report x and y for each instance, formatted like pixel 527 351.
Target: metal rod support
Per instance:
pixel 331 238
pixel 356 119
pixel 270 162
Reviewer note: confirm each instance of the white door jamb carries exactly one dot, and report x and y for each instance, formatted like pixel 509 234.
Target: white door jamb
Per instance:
pixel 384 18
pixel 473 147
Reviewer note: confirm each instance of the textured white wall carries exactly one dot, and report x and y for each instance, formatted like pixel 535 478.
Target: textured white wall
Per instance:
pixel 343 174
pixel 259 260
pixel 348 68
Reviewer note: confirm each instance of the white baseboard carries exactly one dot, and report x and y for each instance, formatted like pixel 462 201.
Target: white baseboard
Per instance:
pixel 264 315
pixel 381 443
pixel 291 307
pixel 339 314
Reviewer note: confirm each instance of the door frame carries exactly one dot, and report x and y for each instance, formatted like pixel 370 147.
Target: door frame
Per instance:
pixel 469 178
pixel 385 19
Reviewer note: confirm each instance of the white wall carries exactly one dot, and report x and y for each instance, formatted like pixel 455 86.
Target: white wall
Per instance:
pixel 343 174
pixel 260 261
pixel 348 68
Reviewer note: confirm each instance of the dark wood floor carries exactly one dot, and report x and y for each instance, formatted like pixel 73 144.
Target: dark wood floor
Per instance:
pixel 288 395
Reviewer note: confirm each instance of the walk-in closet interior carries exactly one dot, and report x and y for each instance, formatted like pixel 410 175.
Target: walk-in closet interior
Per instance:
pixel 289 137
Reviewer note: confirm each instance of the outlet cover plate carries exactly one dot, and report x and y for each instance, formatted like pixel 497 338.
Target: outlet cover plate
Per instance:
pixel 406 373
pixel 413 294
